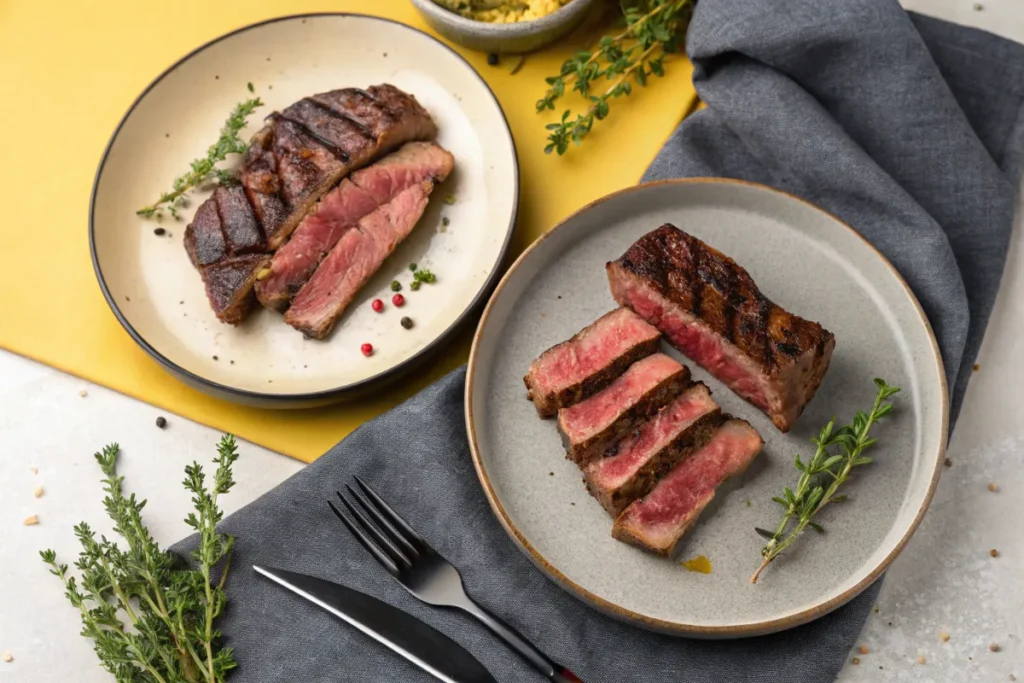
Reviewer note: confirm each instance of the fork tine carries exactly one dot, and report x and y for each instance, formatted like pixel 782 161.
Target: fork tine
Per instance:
pixel 383 542
pixel 394 535
pixel 395 519
pixel 365 541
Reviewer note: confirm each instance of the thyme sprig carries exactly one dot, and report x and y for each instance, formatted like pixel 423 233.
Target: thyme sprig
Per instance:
pixel 654 29
pixel 149 615
pixel 821 477
pixel 204 170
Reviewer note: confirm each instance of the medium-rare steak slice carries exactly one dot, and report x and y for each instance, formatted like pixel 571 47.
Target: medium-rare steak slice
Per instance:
pixel 657 522
pixel 306 149
pixel 592 426
pixel 636 463
pixel 225 243
pixel 353 260
pixel 710 309
pixel 340 210
pixel 300 154
pixel 578 368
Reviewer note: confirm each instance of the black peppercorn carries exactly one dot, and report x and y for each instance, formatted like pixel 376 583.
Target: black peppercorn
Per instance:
pixel 407 322
pixel 492 59
pixel 158 231
pixel 161 422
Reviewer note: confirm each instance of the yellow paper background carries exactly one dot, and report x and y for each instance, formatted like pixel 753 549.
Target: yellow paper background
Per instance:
pixel 68 73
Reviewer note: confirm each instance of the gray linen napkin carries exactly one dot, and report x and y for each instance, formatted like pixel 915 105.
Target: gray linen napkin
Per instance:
pixel 908 128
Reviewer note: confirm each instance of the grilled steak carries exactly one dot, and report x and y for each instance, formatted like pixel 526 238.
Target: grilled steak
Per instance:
pixel 340 210
pixel 300 154
pixel 711 310
pixel 576 369
pixel 353 260
pixel 639 460
pixel 592 426
pixel 305 150
pixel 225 243
pixel 657 522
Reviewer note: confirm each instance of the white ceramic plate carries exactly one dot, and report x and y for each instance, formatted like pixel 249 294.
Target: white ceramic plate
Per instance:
pixel 809 263
pixel 157 294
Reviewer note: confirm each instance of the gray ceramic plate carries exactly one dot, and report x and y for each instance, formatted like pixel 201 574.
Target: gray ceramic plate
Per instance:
pixel 806 261
pixel 156 293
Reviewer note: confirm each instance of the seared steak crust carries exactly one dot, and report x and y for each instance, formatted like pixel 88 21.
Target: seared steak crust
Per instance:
pixel 684 281
pixel 300 154
pixel 720 292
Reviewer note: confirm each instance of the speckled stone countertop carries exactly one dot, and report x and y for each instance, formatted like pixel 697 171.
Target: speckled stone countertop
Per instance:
pixel 946 583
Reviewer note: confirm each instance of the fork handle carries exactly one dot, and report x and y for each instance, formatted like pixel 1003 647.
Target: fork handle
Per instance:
pixel 527 650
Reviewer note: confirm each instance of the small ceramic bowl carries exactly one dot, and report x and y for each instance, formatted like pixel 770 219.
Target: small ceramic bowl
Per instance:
pixel 523 36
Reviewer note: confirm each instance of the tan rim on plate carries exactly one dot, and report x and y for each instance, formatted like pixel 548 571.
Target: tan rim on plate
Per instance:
pixel 440 316
pixel 674 627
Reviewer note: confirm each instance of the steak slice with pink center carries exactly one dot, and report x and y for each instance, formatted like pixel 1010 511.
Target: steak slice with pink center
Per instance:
pixel 340 210
pixel 640 459
pixel 353 260
pixel 657 522
pixel 578 368
pixel 592 426
pixel 711 310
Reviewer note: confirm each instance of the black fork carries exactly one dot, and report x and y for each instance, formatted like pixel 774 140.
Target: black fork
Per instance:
pixel 425 573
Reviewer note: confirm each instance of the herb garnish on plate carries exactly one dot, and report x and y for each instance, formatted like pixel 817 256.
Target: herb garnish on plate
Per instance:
pixel 205 169
pixel 821 477
pixel 151 616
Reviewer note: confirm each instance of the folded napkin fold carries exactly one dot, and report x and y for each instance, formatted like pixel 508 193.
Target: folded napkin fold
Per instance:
pixel 906 127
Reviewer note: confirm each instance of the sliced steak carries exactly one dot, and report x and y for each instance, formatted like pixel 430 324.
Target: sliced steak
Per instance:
pixel 225 243
pixel 306 149
pixel 710 309
pixel 300 154
pixel 657 522
pixel 592 426
pixel 340 210
pixel 353 260
pixel 578 368
pixel 639 460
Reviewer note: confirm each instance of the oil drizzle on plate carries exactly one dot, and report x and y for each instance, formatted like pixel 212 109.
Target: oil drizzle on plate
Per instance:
pixel 700 564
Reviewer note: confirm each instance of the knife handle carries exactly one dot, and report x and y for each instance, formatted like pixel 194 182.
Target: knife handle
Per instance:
pixel 527 650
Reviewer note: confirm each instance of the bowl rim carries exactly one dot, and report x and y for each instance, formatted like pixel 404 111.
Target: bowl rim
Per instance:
pixel 656 624
pixel 325 395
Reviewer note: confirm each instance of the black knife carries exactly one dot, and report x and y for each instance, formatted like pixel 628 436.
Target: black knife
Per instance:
pixel 421 644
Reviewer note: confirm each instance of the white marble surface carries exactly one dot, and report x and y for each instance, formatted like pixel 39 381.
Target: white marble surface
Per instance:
pixel 946 579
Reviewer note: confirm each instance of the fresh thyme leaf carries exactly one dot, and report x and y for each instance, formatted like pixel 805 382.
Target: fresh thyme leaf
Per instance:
pixel 205 169
pixel 654 28
pixel 149 615
pixel 821 477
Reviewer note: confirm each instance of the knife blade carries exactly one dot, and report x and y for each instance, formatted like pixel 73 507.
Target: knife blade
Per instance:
pixel 421 644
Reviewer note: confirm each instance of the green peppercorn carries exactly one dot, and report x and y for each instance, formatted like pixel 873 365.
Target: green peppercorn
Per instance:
pixel 407 322
pixel 396 286
pixel 414 285
pixel 412 267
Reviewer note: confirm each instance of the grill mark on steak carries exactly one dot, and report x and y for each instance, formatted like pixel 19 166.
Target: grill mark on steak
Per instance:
pixel 344 116
pixel 340 154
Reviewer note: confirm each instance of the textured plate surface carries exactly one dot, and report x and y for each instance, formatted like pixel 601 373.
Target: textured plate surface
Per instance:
pixel 158 295
pixel 806 261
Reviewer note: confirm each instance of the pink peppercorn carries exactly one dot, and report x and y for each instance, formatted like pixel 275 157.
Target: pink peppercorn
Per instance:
pixel 377 305
pixel 367 349
pixel 398 300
